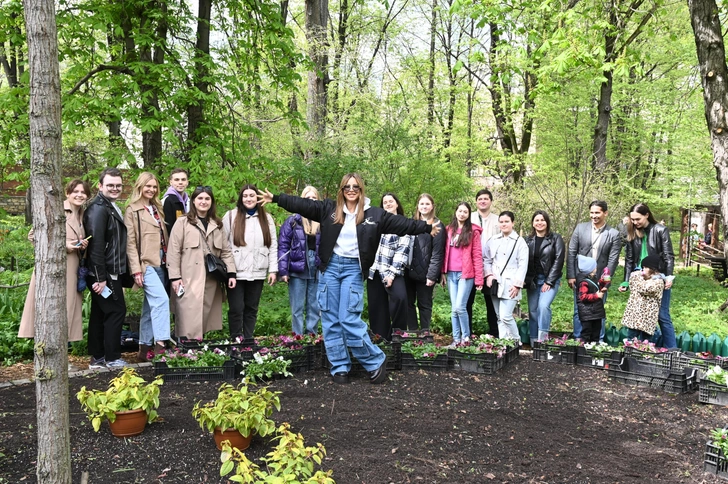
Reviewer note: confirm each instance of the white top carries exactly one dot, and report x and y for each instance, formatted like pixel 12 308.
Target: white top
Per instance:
pixel 347 244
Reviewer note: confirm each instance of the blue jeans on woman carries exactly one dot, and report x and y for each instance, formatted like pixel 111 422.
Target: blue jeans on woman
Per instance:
pixel 459 289
pixel 668 330
pixel 154 323
pixel 640 335
pixel 302 289
pixel 341 298
pixel 539 307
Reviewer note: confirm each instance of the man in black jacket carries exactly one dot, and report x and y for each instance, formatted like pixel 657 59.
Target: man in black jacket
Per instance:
pixel 107 266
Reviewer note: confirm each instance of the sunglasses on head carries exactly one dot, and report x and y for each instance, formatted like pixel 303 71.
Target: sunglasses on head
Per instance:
pixel 350 188
pixel 206 188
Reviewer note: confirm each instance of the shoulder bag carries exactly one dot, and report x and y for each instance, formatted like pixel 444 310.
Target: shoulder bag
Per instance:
pixel 215 266
pixel 494 285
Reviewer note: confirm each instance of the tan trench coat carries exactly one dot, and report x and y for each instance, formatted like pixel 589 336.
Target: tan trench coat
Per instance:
pixel 138 217
pixel 74 299
pixel 200 309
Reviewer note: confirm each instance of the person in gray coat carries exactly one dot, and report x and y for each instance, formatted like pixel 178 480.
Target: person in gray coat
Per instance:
pixel 595 239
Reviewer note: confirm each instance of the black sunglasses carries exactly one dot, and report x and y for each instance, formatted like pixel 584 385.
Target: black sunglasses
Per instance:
pixel 205 188
pixel 350 188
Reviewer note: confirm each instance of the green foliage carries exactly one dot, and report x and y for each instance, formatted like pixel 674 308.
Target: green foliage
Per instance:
pixel 716 374
pixel 127 391
pixel 15 248
pixel 266 367
pixel 240 408
pixel 12 348
pixel 419 349
pixel 291 462
pixel 175 358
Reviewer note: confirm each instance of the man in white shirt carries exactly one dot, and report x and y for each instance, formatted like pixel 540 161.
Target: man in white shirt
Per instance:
pixel 487 221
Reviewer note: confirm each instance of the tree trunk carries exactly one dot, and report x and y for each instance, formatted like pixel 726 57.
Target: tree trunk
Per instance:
pixel 714 78
pixel 317 13
pixel 431 73
pixel 51 324
pixel 195 111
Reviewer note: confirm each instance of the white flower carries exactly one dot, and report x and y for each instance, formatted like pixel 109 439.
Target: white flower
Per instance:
pixel 204 348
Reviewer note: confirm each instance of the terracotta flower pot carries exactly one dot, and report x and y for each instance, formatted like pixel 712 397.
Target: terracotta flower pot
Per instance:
pixel 236 439
pixel 129 423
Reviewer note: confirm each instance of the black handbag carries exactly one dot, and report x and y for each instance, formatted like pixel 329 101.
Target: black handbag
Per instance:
pixel 215 266
pixel 81 273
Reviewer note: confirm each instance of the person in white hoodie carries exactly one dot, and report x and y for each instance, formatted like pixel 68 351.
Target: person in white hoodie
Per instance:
pixel 251 232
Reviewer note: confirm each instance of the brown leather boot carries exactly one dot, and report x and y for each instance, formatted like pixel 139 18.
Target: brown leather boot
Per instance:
pixel 143 350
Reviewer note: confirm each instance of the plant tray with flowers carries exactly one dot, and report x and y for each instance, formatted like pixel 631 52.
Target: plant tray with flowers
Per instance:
pixel 713 386
pixel 227 345
pixel 599 355
pixel 702 361
pixel 418 355
pixel 392 350
pixel 715 454
pixel 266 367
pixel 648 358
pixel 485 354
pixel 629 372
pixel 557 350
pixel 401 336
pixel 194 365
pixel 304 351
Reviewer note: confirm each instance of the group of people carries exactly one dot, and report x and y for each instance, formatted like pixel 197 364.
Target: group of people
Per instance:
pixel 325 251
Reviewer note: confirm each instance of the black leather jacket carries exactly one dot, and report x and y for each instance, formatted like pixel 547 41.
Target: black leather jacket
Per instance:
pixel 376 222
pixel 107 245
pixel 658 243
pixel 427 256
pixel 553 252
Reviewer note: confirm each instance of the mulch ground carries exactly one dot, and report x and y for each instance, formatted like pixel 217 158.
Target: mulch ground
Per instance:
pixel 531 423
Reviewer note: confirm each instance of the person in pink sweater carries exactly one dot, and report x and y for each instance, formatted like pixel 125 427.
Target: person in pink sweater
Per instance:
pixel 462 268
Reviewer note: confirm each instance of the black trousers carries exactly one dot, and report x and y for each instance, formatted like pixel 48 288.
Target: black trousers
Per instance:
pixel 492 317
pixel 104 324
pixel 387 306
pixel 243 313
pixel 590 330
pixel 420 293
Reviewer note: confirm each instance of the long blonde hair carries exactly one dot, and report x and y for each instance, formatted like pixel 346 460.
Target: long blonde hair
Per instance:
pixel 433 215
pixel 339 217
pixel 309 226
pixel 136 193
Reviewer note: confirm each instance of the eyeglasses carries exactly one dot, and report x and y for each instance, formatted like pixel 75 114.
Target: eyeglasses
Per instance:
pixel 205 188
pixel 350 188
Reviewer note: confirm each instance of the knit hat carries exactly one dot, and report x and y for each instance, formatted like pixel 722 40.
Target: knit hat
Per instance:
pixel 651 262
pixel 585 264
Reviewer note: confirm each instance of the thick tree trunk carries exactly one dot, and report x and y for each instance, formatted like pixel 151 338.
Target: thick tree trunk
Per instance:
pixel 195 111
pixel 431 73
pixel 51 324
pixel 601 130
pixel 714 78
pixel 317 13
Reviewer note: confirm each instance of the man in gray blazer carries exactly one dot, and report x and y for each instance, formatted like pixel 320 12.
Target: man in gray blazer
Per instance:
pixel 593 239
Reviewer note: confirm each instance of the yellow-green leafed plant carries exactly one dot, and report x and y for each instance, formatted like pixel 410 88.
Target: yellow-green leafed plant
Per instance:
pixel 241 408
pixel 291 462
pixel 127 391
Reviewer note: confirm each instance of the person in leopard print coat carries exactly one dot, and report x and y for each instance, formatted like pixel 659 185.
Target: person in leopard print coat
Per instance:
pixel 643 306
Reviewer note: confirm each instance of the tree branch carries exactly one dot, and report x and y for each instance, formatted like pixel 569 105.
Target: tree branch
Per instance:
pixel 93 72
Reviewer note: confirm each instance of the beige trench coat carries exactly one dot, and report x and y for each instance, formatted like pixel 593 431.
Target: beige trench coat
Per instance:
pixel 74 299
pixel 138 217
pixel 199 310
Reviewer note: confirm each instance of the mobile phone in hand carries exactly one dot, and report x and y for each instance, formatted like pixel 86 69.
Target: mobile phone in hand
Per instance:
pixel 180 291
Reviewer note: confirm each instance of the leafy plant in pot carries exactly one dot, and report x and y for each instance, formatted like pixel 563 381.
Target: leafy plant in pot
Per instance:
pixel 238 413
pixel 128 404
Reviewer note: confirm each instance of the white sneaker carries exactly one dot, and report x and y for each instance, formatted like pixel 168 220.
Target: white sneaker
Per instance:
pixel 97 364
pixel 116 364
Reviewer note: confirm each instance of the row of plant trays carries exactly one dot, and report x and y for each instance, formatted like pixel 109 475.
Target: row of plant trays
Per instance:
pixel 575 355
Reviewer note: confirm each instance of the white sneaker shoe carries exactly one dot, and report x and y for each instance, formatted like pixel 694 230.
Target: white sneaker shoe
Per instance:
pixel 95 364
pixel 116 364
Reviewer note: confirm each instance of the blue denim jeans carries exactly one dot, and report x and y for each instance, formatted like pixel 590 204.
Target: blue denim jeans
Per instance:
pixel 154 323
pixel 507 327
pixel 302 294
pixel 341 298
pixel 668 330
pixel 459 290
pixel 577 322
pixel 539 306
pixel 636 333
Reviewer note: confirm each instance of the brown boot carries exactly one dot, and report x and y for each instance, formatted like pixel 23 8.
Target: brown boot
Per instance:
pixel 143 350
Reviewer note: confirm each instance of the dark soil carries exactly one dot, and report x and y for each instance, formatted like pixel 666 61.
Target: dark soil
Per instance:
pixel 533 422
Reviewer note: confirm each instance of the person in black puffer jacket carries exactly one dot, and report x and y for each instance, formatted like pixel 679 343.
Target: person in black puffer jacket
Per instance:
pixel 350 234
pixel 590 299
pixel 426 267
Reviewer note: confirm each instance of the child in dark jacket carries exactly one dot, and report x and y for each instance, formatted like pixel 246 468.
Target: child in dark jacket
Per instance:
pixel 590 298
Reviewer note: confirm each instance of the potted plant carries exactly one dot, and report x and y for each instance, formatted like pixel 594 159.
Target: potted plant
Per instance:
pixel 290 461
pixel 238 413
pixel 128 404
